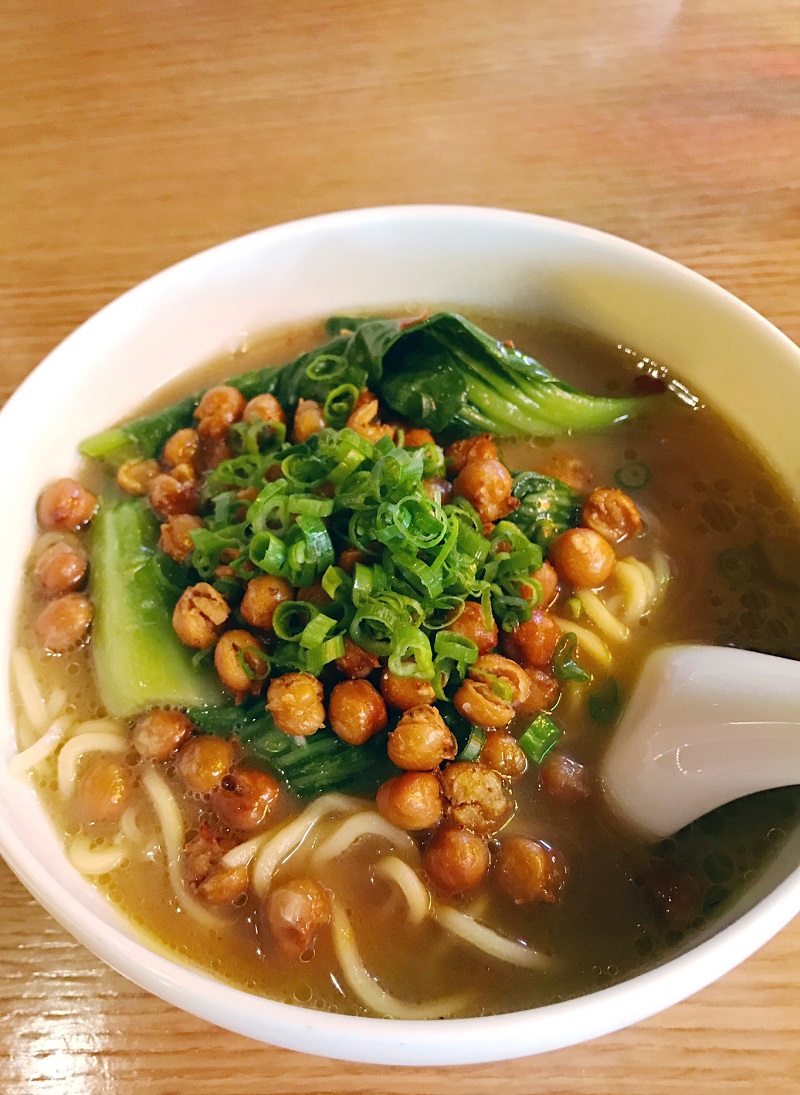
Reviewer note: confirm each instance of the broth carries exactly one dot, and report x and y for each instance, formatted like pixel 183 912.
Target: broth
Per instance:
pixel 731 536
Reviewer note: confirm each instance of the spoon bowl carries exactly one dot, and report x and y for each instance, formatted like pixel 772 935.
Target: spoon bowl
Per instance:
pixel 704 725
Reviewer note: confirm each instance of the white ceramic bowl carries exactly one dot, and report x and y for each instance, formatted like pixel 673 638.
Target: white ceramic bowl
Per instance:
pixel 478 258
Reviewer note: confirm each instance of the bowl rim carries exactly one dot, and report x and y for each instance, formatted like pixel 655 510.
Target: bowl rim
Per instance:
pixel 371 1039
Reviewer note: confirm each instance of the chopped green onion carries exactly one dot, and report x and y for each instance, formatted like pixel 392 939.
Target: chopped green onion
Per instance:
pixel 632 476
pixel 309 551
pixel 458 648
pixel 346 466
pixel 327 367
pixel 421 576
pixel 364 578
pixel 339 404
pixel 267 512
pixel 539 738
pixel 249 655
pixel 422 524
pixel 336 582
pixel 304 470
pixel 291 618
pixel 268 552
pixel 411 655
pixel 313 507
pixel 326 652
pixel 475 743
pixel 316 630
pixel 605 702
pixel 573 607
pixel 501 687
pixel 565 668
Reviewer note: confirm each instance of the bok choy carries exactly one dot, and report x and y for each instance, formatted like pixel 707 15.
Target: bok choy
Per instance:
pixel 440 372
pixel 139 660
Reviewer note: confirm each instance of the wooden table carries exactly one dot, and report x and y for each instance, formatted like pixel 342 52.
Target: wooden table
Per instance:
pixel 136 133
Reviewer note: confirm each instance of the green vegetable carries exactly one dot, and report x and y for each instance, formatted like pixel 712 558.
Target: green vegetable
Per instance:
pixel 475 743
pixel 139 660
pixel 442 373
pixel 632 476
pixel 565 668
pixel 605 702
pixel 547 506
pixel 539 738
pixel 573 607
pixel 448 375
pixel 321 763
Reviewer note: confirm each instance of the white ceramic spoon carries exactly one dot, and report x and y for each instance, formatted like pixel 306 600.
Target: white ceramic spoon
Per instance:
pixel 704 725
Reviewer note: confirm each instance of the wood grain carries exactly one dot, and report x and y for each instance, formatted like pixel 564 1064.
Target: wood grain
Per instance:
pixel 134 133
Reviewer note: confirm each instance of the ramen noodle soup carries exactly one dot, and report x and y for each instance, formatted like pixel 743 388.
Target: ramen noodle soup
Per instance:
pixel 316 665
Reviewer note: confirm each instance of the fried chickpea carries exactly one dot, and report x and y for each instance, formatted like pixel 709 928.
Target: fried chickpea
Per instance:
pixel 64 623
pixel 313 595
pixel 199 615
pixel 349 557
pixel 537 639
pixel 176 536
pixel 181 448
pixel 308 419
pixel 543 694
pixel 237 652
pixel 170 495
pixel 405 692
pixel 421 740
pixel 203 762
pixel 570 470
pixel 295 911
pixel 474 797
pixel 548 584
pixel 364 419
pixel 264 408
pixel 224 886
pixel 261 597
pixel 135 476
pixel 508 672
pixel 472 625
pixel 245 798
pixel 460 453
pixel 438 489
pixel 203 853
pixel 219 408
pixel 212 451
pixel 486 485
pixel 61 568
pixel 479 703
pixel 612 514
pixel 160 733
pixel 529 870
pixel 295 703
pixel 583 557
pixel 456 860
pixel 415 438
pixel 411 801
pixel 65 506
pixel 356 711
pixel 502 753
pixel 357 663
pixel 102 791
pixel 563 778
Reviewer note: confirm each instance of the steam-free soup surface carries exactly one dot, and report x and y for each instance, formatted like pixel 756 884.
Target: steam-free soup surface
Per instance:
pixel 729 536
